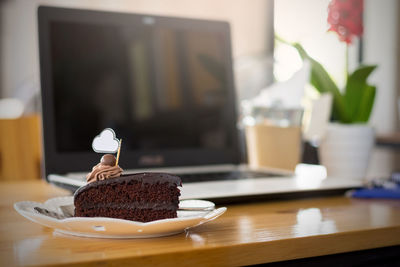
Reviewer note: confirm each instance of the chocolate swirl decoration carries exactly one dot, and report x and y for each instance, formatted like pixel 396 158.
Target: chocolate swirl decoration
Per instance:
pixel 106 169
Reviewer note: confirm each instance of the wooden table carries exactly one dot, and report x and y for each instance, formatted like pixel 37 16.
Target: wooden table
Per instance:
pixel 245 234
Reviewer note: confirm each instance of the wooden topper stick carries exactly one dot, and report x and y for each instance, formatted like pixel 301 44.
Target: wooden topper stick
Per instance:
pixel 119 150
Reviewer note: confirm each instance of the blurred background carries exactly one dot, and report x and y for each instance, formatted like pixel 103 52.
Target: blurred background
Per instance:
pixel 259 62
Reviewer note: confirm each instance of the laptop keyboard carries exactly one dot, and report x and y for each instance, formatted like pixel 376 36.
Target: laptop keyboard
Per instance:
pixel 221 176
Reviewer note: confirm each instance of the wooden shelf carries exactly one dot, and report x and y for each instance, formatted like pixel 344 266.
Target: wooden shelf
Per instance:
pixel 391 140
pixel 20 148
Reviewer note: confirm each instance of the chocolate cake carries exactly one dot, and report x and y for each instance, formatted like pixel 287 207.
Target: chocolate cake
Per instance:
pixel 139 197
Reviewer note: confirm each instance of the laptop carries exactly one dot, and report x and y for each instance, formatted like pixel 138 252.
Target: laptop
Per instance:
pixel 166 87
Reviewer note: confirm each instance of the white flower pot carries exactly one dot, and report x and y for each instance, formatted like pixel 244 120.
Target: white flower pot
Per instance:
pixel 345 150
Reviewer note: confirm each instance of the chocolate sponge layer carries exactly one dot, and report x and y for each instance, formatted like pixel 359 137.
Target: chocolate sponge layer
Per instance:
pixel 139 197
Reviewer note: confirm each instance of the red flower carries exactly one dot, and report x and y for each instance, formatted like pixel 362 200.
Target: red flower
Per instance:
pixel 345 18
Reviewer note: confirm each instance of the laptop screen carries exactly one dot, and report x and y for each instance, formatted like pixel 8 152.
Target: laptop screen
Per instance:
pixel 163 84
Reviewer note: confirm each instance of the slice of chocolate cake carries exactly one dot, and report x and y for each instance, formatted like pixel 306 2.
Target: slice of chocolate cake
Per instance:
pixel 139 197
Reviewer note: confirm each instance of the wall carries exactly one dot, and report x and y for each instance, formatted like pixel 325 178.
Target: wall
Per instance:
pixel 381 47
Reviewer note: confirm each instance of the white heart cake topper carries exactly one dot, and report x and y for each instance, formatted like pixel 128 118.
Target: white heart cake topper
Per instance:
pixel 106 142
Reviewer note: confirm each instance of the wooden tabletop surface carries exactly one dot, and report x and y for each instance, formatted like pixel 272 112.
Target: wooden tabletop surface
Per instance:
pixel 245 234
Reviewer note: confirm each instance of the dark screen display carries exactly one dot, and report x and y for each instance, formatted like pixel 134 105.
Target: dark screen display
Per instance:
pixel 157 87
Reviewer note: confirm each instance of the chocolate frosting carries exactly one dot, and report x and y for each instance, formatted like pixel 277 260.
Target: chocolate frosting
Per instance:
pixel 102 172
pixel 132 205
pixel 146 177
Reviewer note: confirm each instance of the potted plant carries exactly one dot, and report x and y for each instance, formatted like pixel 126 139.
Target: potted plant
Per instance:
pixel 346 146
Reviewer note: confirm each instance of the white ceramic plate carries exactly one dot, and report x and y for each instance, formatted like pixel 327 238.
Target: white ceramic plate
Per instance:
pixel 112 228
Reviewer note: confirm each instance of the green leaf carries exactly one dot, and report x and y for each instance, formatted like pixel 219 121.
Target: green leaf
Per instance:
pixel 356 90
pixel 355 105
pixel 366 104
pixel 321 80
